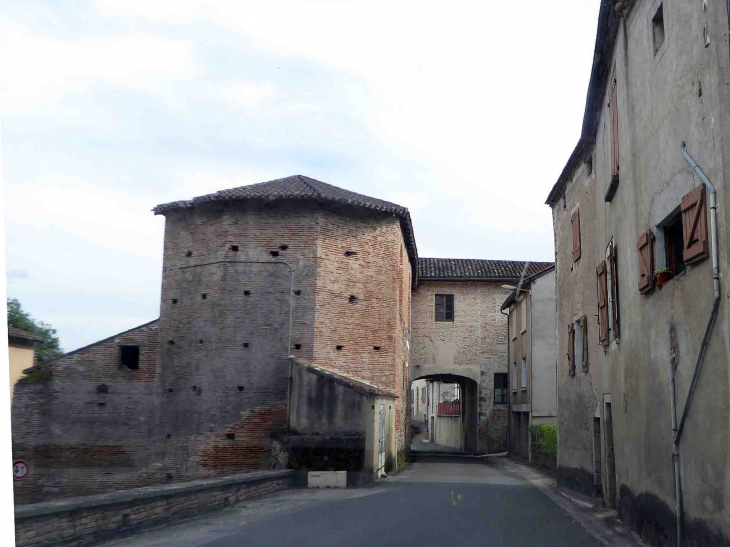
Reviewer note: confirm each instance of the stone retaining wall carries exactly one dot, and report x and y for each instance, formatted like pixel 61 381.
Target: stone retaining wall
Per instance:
pixel 90 519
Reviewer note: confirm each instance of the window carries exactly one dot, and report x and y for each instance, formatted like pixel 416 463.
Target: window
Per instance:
pixel 571 349
pixel 578 345
pixel 523 384
pixel 612 279
pixel 129 356
pixel 501 389
pixel 423 395
pixel 694 226
pixel 602 278
pixel 523 316
pixel 445 307
pixel 657 25
pixel 575 223
pixel 614 142
pixel 674 246
pixel 513 319
pixel 514 376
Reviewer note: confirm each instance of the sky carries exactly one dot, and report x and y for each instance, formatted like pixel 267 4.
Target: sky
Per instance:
pixel 464 111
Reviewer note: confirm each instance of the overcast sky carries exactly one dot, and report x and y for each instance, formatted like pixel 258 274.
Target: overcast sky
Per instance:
pixel 463 111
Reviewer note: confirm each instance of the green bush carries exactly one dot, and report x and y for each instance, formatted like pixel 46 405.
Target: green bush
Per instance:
pixel 544 438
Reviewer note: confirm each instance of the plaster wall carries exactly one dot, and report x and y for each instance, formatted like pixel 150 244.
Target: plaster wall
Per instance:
pixel 678 94
pixel 20 357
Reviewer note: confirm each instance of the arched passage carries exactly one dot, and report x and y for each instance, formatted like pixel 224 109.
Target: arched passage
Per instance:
pixel 446 425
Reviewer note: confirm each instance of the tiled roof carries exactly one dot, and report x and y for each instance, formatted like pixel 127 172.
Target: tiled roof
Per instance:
pixel 463 269
pixel 348 381
pixel 299 187
pixel 20 333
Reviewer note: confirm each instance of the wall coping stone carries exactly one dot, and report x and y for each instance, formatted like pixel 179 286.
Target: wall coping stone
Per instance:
pixel 147 492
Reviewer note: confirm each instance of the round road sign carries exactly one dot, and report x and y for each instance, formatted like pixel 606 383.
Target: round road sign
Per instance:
pixel 20 470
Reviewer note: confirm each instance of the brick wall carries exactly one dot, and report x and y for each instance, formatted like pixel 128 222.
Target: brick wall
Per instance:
pixel 85 423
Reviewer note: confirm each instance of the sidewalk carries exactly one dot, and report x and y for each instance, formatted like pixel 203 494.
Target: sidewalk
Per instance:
pixel 421 445
pixel 601 523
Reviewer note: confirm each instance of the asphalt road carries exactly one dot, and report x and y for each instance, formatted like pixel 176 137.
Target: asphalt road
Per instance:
pixel 437 501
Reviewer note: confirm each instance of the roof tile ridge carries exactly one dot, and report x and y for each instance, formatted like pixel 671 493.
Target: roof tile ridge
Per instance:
pixel 311 186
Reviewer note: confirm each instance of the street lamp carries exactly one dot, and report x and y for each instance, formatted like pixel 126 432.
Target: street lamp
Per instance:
pixel 513 288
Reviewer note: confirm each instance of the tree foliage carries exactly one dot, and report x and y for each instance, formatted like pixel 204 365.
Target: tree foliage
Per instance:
pixel 21 319
pixel 544 438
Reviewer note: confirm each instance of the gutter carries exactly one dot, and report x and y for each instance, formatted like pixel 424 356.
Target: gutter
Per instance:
pixel 677 429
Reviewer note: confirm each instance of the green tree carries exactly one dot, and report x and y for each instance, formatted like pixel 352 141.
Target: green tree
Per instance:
pixel 21 319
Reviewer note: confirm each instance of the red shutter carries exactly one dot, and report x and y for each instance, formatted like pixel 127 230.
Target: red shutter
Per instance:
pixel 614 288
pixel 575 221
pixel 646 262
pixel 584 327
pixel 613 107
pixel 571 349
pixel 694 226
pixel 602 303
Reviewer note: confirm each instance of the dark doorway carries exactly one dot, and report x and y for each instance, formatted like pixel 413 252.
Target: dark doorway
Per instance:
pixel 597 456
pixel 610 459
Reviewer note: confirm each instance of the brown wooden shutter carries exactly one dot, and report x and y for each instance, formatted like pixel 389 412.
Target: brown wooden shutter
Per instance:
pixel 584 327
pixel 571 349
pixel 612 255
pixel 602 303
pixel 575 221
pixel 645 246
pixel 694 225
pixel 613 108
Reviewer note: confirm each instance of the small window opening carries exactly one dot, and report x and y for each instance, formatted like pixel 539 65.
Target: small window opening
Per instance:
pixel 189 253
pixel 657 23
pixel 171 342
pixel 129 356
pixel 297 293
pixel 234 248
pixel 101 404
pixel 674 246
pixel 169 390
pixel 168 477
pixel 230 436
pixel 169 435
pixel 195 388
pixel 204 296
pixel 353 298
pixel 297 346
pixel 200 341
pixel 174 300
pixel 246 293
pixel 444 308
pixel 350 253
pixel 245 344
pixel 240 388
pixel 102 388
pixel 274 253
pixel 376 348
pixel 283 247
pixel 339 348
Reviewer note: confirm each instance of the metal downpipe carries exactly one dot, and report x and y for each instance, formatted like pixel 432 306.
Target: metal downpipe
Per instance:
pixel 678 429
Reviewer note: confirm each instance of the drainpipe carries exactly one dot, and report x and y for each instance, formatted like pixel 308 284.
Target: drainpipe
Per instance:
pixel 509 390
pixel 678 428
pixel 289 355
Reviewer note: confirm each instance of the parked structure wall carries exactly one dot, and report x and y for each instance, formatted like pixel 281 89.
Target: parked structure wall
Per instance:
pixel 474 346
pixel 668 95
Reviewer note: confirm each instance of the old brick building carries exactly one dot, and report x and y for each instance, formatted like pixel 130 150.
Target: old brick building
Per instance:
pixel 275 297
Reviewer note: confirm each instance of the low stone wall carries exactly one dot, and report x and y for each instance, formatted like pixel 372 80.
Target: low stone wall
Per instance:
pixel 90 519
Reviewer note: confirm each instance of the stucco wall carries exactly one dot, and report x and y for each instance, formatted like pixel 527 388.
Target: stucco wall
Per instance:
pixel 681 94
pixel 543 357
pixel 20 357
pixel 448 432
pixel 474 345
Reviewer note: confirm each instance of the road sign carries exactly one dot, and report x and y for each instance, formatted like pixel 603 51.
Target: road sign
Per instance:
pixel 20 470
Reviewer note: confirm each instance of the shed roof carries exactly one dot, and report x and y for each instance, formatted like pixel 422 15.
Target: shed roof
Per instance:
pixel 464 269
pixel 15 332
pixel 353 383
pixel 299 187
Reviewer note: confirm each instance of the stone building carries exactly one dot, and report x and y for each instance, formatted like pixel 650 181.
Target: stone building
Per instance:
pixel 285 339
pixel 532 358
pixel 460 336
pixel 630 203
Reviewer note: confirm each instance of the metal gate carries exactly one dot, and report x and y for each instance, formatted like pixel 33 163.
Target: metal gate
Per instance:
pixel 381 447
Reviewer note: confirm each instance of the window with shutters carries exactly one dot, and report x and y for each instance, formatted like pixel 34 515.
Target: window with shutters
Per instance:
pixel 571 349
pixel 575 223
pixel 523 382
pixel 612 282
pixel 614 141
pixel 645 248
pixel 444 307
pixel 514 376
pixel 603 312
pixel 694 226
pixel 582 340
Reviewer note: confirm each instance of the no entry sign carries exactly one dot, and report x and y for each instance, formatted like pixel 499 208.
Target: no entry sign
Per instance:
pixel 20 470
